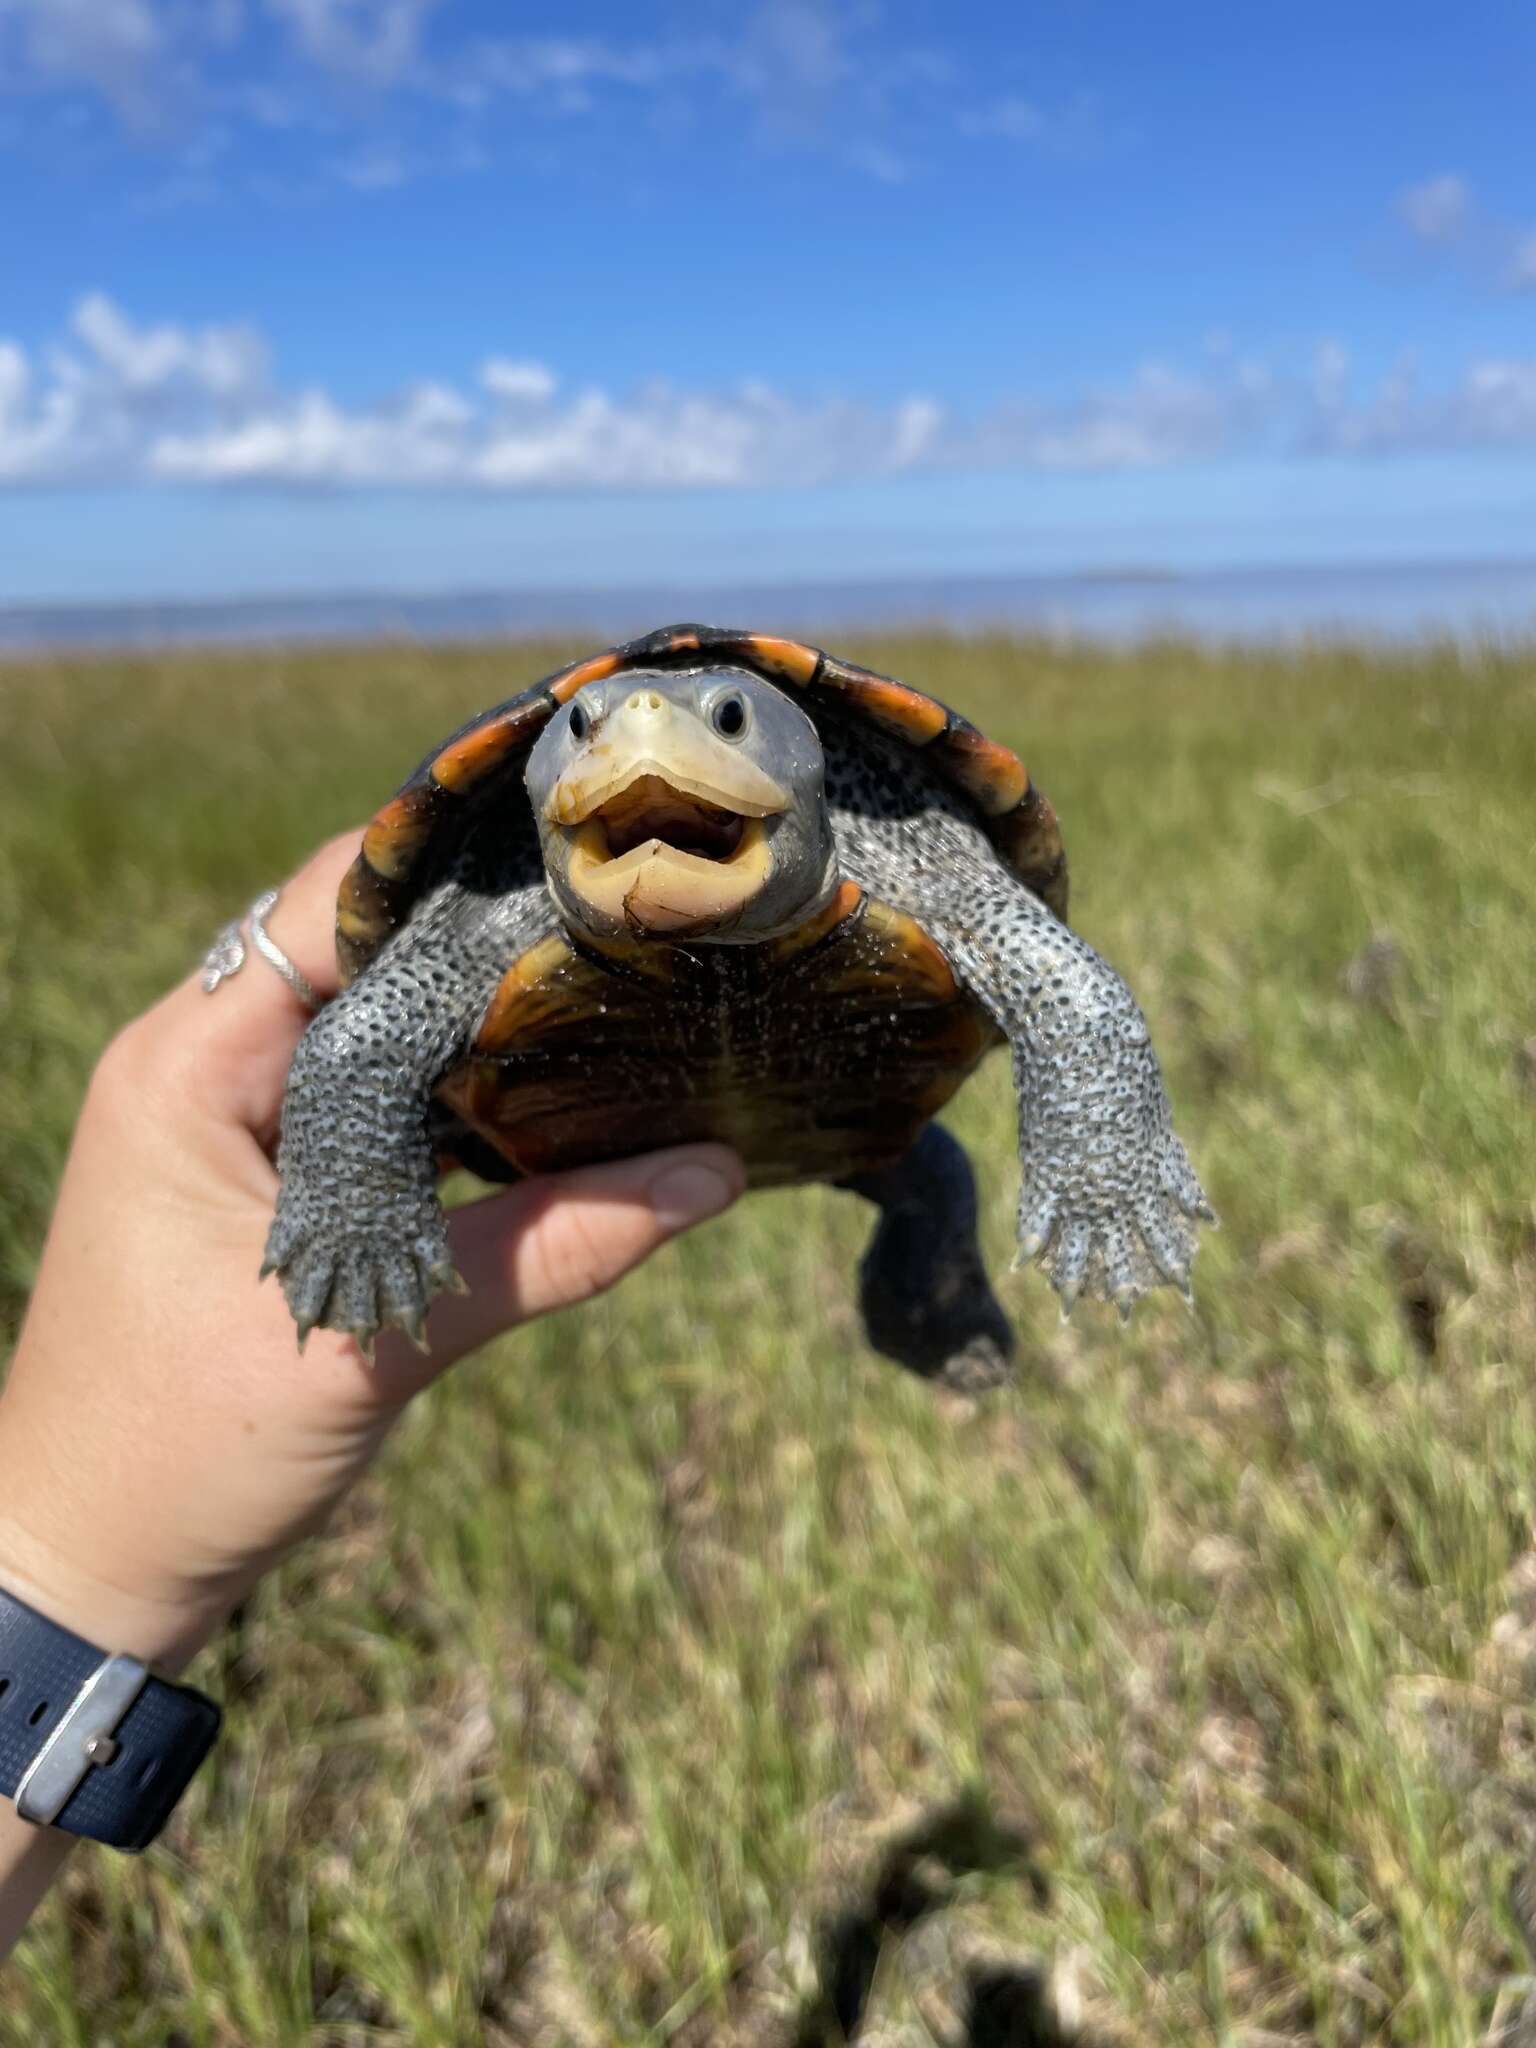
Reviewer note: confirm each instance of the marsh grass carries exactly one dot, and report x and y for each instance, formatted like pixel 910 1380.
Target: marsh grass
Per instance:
pixel 684 1674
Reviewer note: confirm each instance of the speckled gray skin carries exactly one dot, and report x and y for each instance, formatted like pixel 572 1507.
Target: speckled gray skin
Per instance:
pixel 359 1239
pixel 1109 1200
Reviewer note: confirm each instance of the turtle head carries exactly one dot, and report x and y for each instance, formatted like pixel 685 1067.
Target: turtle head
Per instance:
pixel 684 805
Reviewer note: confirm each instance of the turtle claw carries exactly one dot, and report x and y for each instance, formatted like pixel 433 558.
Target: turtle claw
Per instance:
pixel 1117 1247
pixel 1177 1179
pixel 359 1282
pixel 1035 1227
pixel 414 1325
pixel 1069 1264
pixel 1029 1248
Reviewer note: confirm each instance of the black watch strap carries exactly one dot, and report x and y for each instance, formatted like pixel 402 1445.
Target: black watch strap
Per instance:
pixel 96 1744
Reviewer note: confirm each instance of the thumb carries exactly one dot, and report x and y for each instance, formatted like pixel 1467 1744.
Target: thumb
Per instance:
pixel 561 1239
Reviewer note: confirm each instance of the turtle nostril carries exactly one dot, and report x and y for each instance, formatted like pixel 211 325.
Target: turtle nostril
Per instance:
pixel 644 700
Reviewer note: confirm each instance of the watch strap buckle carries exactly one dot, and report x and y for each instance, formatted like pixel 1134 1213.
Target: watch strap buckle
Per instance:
pixel 84 1738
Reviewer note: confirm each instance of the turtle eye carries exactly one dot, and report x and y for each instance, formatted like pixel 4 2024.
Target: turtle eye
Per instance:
pixel 578 722
pixel 729 715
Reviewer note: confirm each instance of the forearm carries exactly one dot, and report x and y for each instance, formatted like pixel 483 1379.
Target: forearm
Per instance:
pixel 31 1859
pixel 163 1633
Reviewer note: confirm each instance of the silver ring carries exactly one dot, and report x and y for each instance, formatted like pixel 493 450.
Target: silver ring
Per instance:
pixel 226 956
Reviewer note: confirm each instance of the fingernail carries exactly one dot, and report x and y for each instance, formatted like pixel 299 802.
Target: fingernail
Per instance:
pixel 687 1194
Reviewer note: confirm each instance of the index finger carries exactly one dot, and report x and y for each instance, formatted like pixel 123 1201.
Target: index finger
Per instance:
pixel 231 1048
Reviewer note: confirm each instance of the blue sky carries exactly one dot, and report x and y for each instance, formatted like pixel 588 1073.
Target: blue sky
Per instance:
pixel 422 294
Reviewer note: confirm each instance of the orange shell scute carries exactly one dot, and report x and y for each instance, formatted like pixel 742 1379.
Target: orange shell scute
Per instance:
pixel 530 974
pixel 840 906
pixel 896 707
pixel 478 752
pixel 398 833
pixel 1029 839
pixel 991 774
pixel 564 686
pixel 925 965
pixel 366 914
pixel 789 659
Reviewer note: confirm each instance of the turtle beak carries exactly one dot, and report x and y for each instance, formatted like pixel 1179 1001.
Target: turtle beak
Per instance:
pixel 649 735
pixel 664 820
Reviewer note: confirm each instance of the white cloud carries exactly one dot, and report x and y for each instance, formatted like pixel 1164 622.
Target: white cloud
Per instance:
pixel 1017 120
pixel 373 94
pixel 1521 274
pixel 918 425
pixel 113 45
pixel 1158 417
pixel 798 49
pixel 1493 251
pixel 223 362
pixel 1491 406
pixel 878 162
pixel 517 383
pixel 655 439
pixel 1076 128
pixel 529 65
pixel 1330 374
pixel 374 170
pixel 377 40
pixel 94 408
pixel 1437 210
pixel 812 71
pixel 120 402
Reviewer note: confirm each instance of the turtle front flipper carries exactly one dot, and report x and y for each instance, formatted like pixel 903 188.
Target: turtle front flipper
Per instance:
pixel 359 1240
pixel 1109 1202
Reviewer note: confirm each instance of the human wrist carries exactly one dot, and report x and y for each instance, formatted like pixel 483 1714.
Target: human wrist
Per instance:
pixel 145 1615
pixel 87 1688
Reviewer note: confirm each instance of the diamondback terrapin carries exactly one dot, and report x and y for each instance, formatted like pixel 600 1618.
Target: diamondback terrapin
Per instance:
pixel 714 884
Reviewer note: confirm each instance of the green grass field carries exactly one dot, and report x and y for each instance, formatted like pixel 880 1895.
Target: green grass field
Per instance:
pixel 687 1675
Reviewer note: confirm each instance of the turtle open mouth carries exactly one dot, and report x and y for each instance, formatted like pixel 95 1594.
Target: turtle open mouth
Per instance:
pixel 666 827
pixel 653 858
pixel 650 808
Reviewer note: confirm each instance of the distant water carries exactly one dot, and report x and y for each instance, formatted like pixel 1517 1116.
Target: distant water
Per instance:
pixel 1396 602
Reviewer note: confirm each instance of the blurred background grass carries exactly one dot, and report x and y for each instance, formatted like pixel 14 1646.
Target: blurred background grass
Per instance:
pixel 685 1674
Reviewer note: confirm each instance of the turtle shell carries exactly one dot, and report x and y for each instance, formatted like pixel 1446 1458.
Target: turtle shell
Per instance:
pixel 381 888
pixel 593 1052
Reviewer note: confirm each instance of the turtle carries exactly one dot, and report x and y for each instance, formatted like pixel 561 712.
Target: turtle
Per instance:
pixel 722 884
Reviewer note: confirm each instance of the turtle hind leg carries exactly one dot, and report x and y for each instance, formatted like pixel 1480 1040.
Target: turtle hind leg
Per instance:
pixel 923 1290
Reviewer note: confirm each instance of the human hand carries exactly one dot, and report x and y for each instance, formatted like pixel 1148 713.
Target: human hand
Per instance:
pixel 162 1441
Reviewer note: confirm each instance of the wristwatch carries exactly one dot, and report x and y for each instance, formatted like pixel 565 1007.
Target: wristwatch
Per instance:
pixel 94 1743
